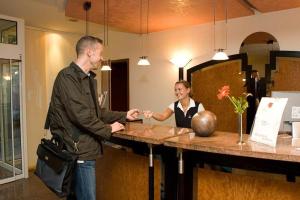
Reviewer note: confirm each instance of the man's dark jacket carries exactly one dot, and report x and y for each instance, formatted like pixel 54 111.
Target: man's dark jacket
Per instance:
pixel 74 115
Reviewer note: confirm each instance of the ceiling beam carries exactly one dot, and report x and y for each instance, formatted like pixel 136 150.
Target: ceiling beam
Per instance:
pixel 249 6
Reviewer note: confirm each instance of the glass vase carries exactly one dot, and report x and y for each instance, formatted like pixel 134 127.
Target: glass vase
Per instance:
pixel 240 121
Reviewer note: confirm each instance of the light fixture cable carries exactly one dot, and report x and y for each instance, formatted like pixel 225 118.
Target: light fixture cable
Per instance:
pixel 214 11
pixel 86 6
pixel 86 22
pixel 147 30
pixel 219 53
pixel 226 19
pixel 143 60
pixel 141 25
pixel 106 66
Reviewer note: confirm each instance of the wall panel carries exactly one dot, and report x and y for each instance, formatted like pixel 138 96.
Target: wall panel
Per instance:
pixel 206 82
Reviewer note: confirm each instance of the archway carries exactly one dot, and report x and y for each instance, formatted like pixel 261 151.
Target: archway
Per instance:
pixel 257 46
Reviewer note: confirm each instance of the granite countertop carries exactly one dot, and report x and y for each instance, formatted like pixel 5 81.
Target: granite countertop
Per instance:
pixel 226 143
pixel 151 134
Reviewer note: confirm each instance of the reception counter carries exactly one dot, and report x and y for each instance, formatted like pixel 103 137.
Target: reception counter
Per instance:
pixel 135 143
pixel 129 162
pixel 150 134
pixel 226 143
pixel 222 149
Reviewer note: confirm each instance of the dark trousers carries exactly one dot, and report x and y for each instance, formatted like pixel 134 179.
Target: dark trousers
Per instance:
pixel 251 111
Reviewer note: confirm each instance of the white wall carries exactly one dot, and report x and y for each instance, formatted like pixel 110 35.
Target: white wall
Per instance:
pixel 152 87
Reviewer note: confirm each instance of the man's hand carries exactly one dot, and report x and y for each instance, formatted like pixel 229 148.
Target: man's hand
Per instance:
pixel 132 114
pixel 117 127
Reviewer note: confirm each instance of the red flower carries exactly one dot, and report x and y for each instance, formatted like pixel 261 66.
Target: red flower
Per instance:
pixel 223 92
pixel 270 105
pixel 240 103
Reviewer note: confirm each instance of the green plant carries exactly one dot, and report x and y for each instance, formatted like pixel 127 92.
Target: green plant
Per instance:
pixel 240 103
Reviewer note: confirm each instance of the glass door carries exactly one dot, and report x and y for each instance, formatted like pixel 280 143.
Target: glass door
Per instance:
pixel 11 159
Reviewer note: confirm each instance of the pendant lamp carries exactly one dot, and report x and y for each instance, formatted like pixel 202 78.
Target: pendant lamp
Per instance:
pixel 220 53
pixel 105 63
pixel 143 60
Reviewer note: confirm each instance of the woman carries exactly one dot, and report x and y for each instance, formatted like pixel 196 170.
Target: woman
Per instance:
pixel 185 108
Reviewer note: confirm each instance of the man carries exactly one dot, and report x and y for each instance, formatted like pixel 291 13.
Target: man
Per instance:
pixel 255 86
pixel 257 90
pixel 75 115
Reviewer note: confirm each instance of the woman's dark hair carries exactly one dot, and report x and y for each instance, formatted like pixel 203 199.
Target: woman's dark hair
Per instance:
pixel 185 83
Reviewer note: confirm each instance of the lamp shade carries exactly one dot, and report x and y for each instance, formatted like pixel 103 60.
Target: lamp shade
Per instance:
pixel 220 55
pixel 105 68
pixel 143 61
pixel 106 65
pixel 180 61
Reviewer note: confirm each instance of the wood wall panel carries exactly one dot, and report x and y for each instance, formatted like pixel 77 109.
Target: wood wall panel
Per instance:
pixel 216 185
pixel 286 77
pixel 207 81
pixel 123 175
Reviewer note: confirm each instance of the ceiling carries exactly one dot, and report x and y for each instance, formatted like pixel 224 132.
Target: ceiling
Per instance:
pixel 124 15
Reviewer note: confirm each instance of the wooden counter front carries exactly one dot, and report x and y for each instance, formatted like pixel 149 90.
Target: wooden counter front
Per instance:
pixel 222 149
pixel 123 175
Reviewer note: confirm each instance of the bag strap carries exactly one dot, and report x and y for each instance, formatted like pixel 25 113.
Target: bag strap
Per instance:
pixel 58 141
pixel 47 121
pixel 74 135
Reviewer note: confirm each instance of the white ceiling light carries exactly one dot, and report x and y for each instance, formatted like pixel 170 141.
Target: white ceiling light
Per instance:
pixel 105 68
pixel 106 65
pixel 219 53
pixel 143 60
pixel 180 61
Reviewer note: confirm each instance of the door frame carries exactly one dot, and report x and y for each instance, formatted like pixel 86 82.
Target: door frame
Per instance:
pixel 17 52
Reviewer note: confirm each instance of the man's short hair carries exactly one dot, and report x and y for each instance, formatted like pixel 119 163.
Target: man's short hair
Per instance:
pixel 254 71
pixel 86 41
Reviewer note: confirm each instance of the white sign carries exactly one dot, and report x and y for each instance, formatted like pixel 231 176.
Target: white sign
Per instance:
pixel 295 112
pixel 267 120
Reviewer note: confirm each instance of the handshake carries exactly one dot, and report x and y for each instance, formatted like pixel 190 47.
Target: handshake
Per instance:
pixel 134 113
pixel 147 113
pixel 131 115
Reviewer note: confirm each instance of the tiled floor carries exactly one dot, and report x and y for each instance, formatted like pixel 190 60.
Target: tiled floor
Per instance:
pixel 26 189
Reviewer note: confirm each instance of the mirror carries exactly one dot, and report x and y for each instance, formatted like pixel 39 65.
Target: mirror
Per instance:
pixel 8 31
pixel 258 46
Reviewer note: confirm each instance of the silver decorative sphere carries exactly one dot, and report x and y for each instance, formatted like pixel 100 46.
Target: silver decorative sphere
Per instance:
pixel 204 123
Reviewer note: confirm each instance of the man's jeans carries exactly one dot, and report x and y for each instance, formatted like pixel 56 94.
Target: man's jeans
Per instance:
pixel 85 180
